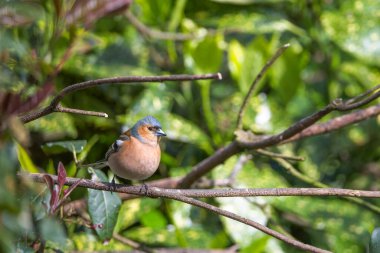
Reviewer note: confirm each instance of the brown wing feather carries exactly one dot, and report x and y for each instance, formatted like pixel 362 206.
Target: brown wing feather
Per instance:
pixel 126 136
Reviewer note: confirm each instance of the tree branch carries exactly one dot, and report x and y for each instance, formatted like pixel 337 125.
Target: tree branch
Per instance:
pixel 337 123
pixel 255 82
pixel 55 106
pixel 257 142
pixel 305 178
pixel 186 197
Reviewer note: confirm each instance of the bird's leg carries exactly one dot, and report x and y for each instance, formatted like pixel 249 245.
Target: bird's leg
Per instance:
pixel 113 185
pixel 145 186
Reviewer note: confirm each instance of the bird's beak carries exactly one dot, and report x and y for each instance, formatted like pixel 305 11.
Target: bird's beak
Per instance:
pixel 159 132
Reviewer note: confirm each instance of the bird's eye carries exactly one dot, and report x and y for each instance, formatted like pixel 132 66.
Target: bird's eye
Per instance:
pixel 150 128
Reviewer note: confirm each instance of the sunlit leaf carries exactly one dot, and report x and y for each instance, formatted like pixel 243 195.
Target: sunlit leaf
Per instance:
pixel 88 12
pixel 64 146
pixel 154 219
pixel 61 123
pixel 286 73
pixel 25 160
pixel 208 54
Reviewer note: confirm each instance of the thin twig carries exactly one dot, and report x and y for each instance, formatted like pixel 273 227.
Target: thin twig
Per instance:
pixel 142 248
pixel 255 82
pixel 180 195
pixel 132 244
pixel 55 106
pixel 277 155
pixel 60 108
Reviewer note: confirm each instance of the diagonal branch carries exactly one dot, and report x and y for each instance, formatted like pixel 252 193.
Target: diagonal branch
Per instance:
pixel 257 142
pixel 55 106
pixel 337 123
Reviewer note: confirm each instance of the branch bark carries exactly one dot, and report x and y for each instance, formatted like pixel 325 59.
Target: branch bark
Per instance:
pixel 55 105
pixel 181 195
pixel 256 81
pixel 258 142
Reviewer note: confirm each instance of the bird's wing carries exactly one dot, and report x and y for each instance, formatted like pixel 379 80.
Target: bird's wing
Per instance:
pixel 126 136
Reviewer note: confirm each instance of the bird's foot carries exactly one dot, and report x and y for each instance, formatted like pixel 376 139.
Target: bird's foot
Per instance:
pixel 145 187
pixel 113 185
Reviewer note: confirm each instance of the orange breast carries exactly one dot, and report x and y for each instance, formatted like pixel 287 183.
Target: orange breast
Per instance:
pixel 135 160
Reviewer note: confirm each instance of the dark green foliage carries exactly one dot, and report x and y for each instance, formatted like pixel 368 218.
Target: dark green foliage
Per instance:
pixel 334 53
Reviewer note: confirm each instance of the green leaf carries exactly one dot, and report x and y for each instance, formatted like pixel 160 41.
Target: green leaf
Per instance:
pixel 154 219
pixel 54 123
pixel 52 231
pixel 103 207
pixel 208 54
pixel 25 160
pixel 236 54
pixel 128 214
pixel 374 245
pixel 258 245
pixel 88 147
pixel 286 73
pixel 238 231
pixel 64 146
pixel 246 62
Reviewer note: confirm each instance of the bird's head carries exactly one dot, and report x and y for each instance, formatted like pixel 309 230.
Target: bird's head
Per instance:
pixel 148 129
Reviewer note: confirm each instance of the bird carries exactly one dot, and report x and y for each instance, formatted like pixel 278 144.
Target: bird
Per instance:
pixel 136 154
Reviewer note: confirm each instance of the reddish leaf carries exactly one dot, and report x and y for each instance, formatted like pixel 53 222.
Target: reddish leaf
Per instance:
pixel 61 176
pixel 13 101
pixel 89 11
pixel 54 199
pixel 50 184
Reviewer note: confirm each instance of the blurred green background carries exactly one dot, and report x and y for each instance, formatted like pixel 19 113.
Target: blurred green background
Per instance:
pixel 48 45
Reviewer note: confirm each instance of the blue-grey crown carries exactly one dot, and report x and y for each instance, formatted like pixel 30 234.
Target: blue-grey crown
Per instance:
pixel 148 120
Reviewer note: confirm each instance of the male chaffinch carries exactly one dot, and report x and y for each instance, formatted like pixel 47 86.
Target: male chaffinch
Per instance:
pixel 136 154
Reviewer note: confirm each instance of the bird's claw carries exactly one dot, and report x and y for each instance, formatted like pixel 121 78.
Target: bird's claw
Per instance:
pixel 145 186
pixel 113 185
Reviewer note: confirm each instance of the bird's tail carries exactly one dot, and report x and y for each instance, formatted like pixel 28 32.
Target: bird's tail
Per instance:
pixel 97 165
